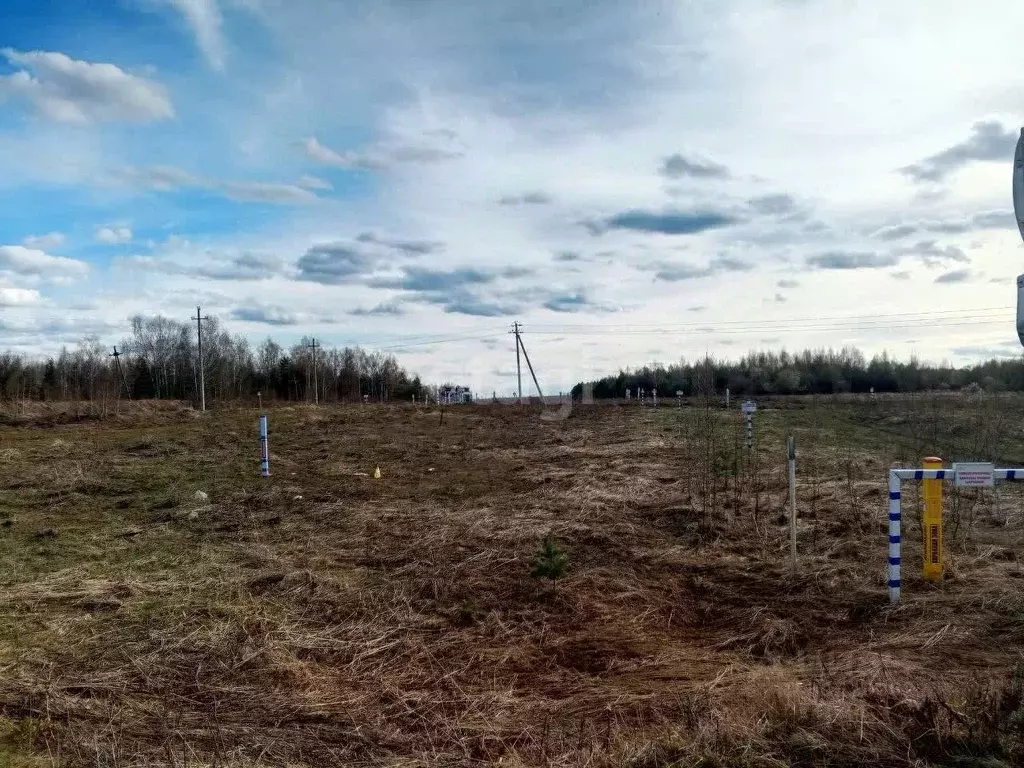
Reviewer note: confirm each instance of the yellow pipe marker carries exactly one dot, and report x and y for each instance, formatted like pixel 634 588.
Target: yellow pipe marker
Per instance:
pixel 931 525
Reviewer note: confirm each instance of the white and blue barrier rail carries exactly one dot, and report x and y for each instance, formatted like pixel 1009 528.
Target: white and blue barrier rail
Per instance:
pixel 896 478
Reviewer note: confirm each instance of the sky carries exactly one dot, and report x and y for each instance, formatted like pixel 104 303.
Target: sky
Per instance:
pixel 632 182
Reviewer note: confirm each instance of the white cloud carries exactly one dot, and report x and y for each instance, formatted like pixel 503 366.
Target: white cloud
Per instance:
pixel 165 178
pixel 32 262
pixel 314 182
pixel 18 297
pixel 43 242
pixel 67 90
pixel 114 235
pixel 262 192
pixel 204 19
pixel 267 314
pixel 179 258
pixel 387 154
pixel 317 151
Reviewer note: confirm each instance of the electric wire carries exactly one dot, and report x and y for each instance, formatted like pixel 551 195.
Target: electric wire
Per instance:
pixel 439 341
pixel 708 330
pixel 968 312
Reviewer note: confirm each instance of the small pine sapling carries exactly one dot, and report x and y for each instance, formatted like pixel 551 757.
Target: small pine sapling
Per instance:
pixel 550 561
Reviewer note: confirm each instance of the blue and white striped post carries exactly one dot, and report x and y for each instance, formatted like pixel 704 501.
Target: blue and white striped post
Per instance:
pixel 894 536
pixel 896 476
pixel 264 448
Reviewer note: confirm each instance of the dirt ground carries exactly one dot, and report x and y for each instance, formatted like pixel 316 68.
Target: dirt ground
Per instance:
pixel 162 604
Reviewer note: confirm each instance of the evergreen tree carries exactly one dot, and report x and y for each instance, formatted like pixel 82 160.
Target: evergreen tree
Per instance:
pixel 141 380
pixel 550 561
pixel 49 386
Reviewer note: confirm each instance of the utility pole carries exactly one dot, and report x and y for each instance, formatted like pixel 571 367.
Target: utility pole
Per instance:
pixel 534 375
pixel 202 377
pixel 316 393
pixel 521 346
pixel 120 370
pixel 519 370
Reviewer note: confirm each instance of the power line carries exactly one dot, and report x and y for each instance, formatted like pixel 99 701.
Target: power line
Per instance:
pixel 438 341
pixel 881 319
pixel 704 330
pixel 418 337
pixel 972 312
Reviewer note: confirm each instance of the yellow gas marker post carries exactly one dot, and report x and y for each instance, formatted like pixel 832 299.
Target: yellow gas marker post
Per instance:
pixel 931 525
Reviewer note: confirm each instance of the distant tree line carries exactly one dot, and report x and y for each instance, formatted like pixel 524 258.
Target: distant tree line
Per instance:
pixel 160 360
pixel 820 371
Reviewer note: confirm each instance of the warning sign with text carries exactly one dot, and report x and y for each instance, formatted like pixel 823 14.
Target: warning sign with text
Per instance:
pixel 974 474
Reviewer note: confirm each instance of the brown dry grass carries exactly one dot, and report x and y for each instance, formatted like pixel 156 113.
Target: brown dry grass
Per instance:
pixel 324 618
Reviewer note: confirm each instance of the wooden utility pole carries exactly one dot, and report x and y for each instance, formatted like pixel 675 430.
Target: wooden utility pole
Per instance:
pixel 202 377
pixel 534 375
pixel 519 370
pixel 519 374
pixel 117 361
pixel 316 392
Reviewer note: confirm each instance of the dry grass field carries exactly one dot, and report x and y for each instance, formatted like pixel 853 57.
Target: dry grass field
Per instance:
pixel 322 617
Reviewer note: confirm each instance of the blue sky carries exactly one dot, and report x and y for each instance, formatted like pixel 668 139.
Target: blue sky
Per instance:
pixel 632 182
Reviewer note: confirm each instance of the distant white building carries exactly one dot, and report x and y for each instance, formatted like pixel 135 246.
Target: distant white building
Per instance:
pixel 454 395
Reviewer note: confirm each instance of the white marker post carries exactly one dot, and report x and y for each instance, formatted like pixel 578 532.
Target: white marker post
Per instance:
pixel 679 398
pixel 627 394
pixel 264 448
pixel 749 407
pixel 791 450
pixel 726 397
pixel 654 397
